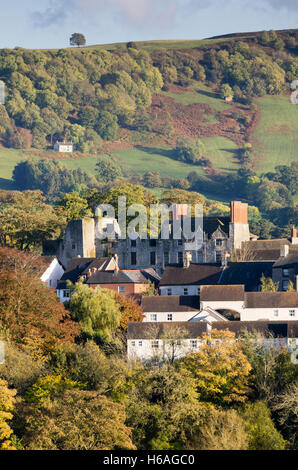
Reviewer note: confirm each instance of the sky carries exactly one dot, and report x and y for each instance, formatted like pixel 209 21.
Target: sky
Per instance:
pixel 50 23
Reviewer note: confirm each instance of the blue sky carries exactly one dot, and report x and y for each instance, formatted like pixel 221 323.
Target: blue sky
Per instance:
pixel 49 23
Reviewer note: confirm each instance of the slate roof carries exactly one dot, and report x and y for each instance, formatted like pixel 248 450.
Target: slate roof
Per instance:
pixel 195 274
pixel 211 223
pixel 222 293
pixel 271 299
pixel 77 267
pixel 269 329
pixel 268 250
pixel 248 273
pixel 286 261
pixel 154 330
pixel 171 303
pixel 120 277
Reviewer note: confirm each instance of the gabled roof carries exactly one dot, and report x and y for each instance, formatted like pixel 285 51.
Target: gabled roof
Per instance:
pixel 195 274
pixel 287 261
pixel 269 329
pixel 248 273
pixel 77 267
pixel 117 277
pixel 211 223
pixel 222 293
pixel 171 303
pixel 154 330
pixel 271 300
pixel 267 250
pixel 204 313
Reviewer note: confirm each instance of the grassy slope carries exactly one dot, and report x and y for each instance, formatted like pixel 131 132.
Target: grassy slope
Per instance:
pixel 275 139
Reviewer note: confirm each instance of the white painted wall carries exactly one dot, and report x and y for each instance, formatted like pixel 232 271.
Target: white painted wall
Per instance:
pixel 142 349
pixel 179 290
pixel 53 274
pixel 273 314
pixel 163 316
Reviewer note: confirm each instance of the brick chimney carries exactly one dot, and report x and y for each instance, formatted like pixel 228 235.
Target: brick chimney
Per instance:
pixel 294 238
pixel 239 228
pixel 239 212
pixel 179 210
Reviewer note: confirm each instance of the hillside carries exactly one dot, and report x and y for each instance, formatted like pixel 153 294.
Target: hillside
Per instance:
pixel 133 103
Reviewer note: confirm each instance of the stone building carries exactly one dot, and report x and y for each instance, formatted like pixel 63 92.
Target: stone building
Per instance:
pixel 221 236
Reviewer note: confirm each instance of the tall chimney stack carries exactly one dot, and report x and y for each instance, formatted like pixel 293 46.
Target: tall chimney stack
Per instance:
pixel 294 238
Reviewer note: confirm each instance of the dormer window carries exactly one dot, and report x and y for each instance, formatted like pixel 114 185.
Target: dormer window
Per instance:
pixel 218 242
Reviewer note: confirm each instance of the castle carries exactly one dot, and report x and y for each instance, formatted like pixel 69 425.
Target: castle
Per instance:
pixel 221 236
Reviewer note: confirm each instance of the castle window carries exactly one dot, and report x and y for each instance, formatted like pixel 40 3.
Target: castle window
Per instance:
pixel 218 257
pixel 133 258
pixel 152 242
pixel 73 246
pixel 166 258
pixel 133 243
pixel 152 257
pixel 179 242
pixel 218 242
pixel 180 257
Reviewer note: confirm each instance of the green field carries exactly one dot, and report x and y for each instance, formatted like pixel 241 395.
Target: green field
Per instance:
pixel 200 94
pixel 136 160
pixel 142 159
pixel 275 139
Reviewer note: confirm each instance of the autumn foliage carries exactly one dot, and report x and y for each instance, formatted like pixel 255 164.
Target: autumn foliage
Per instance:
pixel 30 312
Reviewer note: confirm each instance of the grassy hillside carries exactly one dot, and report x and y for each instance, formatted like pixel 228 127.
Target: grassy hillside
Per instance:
pixel 173 85
pixel 275 140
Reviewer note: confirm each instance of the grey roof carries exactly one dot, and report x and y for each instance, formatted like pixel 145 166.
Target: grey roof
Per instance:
pixel 248 273
pixel 211 224
pixel 269 329
pixel 156 330
pixel 195 274
pixel 289 260
pixel 267 250
pixel 271 299
pixel 120 277
pixel 222 293
pixel 77 267
pixel 171 303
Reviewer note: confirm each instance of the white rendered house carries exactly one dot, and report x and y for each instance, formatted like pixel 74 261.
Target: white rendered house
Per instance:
pixel 53 271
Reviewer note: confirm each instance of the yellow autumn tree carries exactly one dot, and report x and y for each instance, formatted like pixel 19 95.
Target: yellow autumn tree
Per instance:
pixel 220 368
pixel 7 401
